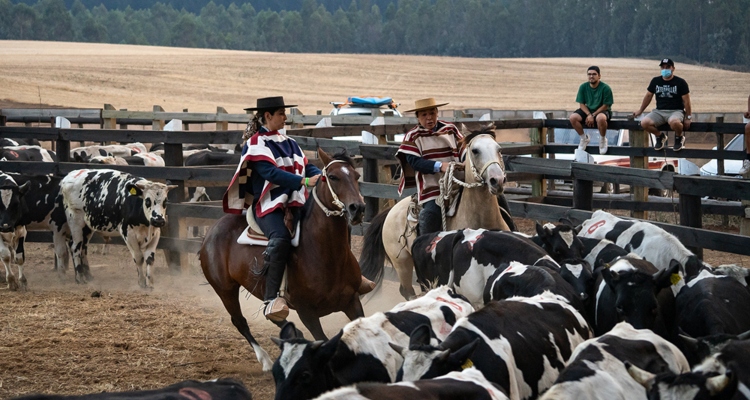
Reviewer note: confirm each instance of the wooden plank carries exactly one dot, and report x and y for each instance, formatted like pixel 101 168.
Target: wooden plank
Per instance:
pixel 623 175
pixel 181 210
pixel 39 133
pixel 639 138
pixel 716 187
pixel 691 216
pixel 328 145
pixel 723 127
pixel 383 191
pixel 538 165
pixel 74 115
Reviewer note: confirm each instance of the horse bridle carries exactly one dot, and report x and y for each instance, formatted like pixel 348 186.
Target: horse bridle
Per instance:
pixel 478 174
pixel 336 202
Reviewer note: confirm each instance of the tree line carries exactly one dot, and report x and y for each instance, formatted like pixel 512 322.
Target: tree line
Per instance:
pixel 702 31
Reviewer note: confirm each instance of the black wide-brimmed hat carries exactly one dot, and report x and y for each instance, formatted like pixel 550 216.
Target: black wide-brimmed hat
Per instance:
pixel 270 103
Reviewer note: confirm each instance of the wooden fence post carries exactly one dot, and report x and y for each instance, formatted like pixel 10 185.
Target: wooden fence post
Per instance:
pixel 185 125
pixel 639 193
pixel 691 215
pixel 221 125
pixel 583 194
pixel 174 228
pixel 538 137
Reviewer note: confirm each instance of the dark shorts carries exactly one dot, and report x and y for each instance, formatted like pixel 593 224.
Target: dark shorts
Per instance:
pixel 583 114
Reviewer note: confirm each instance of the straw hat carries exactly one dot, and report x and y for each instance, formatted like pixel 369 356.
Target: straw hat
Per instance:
pixel 425 104
pixel 270 103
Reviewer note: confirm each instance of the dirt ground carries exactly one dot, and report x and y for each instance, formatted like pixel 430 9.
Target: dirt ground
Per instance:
pixel 58 338
pixel 138 77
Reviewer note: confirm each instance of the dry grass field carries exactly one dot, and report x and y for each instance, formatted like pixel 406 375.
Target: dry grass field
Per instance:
pixel 138 77
pixel 57 338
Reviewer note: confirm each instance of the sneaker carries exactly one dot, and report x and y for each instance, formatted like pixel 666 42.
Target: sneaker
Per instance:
pixel 679 143
pixel 276 310
pixel 585 139
pixel 661 141
pixel 745 167
pixel 603 145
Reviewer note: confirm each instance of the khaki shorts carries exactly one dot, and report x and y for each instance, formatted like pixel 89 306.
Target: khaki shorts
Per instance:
pixel 661 117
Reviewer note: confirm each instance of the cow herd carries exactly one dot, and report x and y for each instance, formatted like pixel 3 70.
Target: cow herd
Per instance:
pixel 86 201
pixel 610 309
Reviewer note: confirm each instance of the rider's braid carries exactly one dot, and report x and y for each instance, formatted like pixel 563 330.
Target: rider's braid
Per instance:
pixel 253 126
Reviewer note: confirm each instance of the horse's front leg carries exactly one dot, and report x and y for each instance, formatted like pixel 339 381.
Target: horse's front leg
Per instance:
pixel 354 309
pixel 312 323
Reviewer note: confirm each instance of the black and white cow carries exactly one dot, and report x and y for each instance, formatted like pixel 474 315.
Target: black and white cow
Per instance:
pixel 467 384
pixel 113 201
pixel 218 389
pixel 145 159
pixel 465 259
pixel 713 304
pixel 361 351
pixel 560 241
pixel 6 142
pixel 521 344
pixel 27 153
pixel 633 290
pixel 644 239
pixel 597 367
pixel 12 209
pixel 81 154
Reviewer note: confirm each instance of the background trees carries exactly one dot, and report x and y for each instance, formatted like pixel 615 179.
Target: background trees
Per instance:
pixel 703 31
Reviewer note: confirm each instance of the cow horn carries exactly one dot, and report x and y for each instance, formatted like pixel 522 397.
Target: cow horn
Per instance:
pixel 398 349
pixel 716 384
pixel 316 344
pixel 277 341
pixel 743 336
pixel 645 378
pixel 689 339
pixel 443 355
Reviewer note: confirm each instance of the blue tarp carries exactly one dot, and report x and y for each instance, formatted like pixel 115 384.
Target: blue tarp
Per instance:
pixel 371 101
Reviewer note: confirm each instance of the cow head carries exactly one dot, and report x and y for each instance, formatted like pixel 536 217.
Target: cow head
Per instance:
pixel 691 385
pixel 560 241
pixel 422 360
pixel 302 370
pixel 697 349
pixel 154 199
pixel 12 206
pixel 578 273
pixel 636 286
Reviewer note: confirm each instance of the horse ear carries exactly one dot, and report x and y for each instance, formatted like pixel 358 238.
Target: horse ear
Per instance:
pixel 324 156
pixel 464 130
pixel 490 126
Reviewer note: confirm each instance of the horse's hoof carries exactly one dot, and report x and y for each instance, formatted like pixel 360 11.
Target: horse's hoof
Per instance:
pixel 12 284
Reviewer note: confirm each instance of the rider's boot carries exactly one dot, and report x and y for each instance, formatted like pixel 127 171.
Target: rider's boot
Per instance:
pixel 366 286
pixel 275 258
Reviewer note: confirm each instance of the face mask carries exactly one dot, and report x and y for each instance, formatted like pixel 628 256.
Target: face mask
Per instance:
pixel 666 73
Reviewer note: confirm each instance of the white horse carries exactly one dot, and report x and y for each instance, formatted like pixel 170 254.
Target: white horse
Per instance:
pixel 390 235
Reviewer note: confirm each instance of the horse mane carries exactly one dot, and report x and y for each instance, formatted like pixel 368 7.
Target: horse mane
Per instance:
pixel 343 155
pixel 486 130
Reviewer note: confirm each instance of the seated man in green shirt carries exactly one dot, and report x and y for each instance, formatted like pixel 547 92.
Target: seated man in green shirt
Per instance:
pixel 595 101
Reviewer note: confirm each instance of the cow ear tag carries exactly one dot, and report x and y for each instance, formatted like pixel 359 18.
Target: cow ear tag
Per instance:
pixel 675 278
pixel 467 364
pixel 132 191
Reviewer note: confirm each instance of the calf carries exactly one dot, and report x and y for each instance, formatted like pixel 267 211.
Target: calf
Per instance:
pixel 465 259
pixel 561 241
pixel 27 153
pixel 711 304
pixel 219 389
pixel 643 238
pixel 113 201
pixel 597 366
pixel 628 291
pixel 361 351
pixel 467 384
pixel 81 154
pixel 12 209
pixel 521 344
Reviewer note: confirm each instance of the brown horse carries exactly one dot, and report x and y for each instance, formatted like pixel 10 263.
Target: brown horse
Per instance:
pixel 323 275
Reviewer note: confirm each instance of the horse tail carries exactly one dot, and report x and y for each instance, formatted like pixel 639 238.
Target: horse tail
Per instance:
pixel 373 256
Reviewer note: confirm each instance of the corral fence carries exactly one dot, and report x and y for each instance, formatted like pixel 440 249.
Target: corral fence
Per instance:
pixel 525 163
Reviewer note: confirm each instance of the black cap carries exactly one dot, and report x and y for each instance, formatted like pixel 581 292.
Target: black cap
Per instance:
pixel 270 103
pixel 667 61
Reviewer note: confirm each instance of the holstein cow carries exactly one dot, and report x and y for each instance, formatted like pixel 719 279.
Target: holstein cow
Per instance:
pixel 723 375
pixel 6 142
pixel 218 389
pixel 80 154
pixel 113 201
pixel 27 153
pixel 633 290
pixel 465 259
pixel 561 241
pixel 12 209
pixel 467 384
pixel 709 304
pixel 597 367
pixel 361 351
pixel 642 238
pixel 145 159
pixel 521 344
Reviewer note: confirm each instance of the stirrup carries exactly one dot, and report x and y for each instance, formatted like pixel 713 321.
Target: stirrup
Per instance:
pixel 366 286
pixel 276 310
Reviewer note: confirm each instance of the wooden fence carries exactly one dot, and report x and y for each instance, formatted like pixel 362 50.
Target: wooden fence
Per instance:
pixel 376 183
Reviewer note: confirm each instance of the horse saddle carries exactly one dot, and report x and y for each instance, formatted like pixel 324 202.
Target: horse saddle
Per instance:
pixel 253 235
pixel 412 213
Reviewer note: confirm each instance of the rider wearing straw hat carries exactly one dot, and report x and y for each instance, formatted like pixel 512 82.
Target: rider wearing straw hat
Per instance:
pixel 424 155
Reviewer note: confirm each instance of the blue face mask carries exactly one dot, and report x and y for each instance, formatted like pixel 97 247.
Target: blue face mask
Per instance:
pixel 666 73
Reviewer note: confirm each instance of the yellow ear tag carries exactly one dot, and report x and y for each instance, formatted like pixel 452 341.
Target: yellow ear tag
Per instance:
pixel 675 278
pixel 132 191
pixel 467 364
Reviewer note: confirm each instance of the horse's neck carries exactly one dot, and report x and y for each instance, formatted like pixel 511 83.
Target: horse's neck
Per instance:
pixel 318 229
pixel 478 207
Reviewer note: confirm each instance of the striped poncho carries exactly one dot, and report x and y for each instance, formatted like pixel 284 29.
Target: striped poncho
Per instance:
pixel 440 144
pixel 281 151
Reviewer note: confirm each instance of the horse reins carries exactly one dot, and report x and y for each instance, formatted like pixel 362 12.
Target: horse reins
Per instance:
pixel 336 202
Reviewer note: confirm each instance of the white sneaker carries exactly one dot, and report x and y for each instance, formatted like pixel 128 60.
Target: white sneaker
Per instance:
pixel 603 145
pixel 585 139
pixel 745 167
